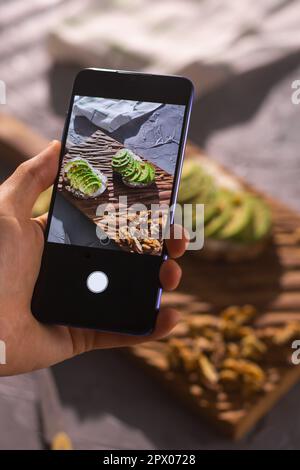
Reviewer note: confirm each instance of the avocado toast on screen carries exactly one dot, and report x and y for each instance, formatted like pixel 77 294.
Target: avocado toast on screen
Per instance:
pixel 82 180
pixel 134 171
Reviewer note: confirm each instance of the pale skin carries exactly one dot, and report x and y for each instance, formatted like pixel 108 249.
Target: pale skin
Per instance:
pixel 31 345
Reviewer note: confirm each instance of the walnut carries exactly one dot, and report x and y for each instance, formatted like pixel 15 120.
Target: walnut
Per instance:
pixel 180 356
pixel 286 334
pixel 232 350
pixel 207 371
pixel 252 376
pixel 239 315
pixel 252 347
pixel 229 379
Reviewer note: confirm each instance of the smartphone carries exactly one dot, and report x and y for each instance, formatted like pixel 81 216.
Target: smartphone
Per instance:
pixel 120 166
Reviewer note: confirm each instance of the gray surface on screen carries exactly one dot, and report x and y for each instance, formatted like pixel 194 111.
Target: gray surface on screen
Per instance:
pixel 70 226
pixel 111 114
pixel 155 136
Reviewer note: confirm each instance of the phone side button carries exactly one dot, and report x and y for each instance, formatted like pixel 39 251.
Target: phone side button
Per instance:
pixel 97 282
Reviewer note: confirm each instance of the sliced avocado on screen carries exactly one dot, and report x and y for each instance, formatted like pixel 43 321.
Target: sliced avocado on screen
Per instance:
pixel 151 174
pixel 76 178
pixel 139 172
pixel 121 163
pixel 75 165
pixel 120 154
pixel 87 181
pixel 131 169
pixel 80 176
pixel 92 187
pixel 137 175
pixel 144 174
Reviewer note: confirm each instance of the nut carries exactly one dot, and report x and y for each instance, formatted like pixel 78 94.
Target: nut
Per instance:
pixel 207 371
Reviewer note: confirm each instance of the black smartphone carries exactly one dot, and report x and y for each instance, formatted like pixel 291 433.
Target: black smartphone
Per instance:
pixel 120 166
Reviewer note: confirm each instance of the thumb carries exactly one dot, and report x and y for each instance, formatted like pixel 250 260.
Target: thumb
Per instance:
pixel 32 177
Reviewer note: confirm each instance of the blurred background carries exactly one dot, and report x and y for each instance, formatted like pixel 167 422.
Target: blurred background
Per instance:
pixel 242 57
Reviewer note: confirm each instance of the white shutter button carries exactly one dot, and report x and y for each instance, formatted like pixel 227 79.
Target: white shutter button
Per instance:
pixel 97 282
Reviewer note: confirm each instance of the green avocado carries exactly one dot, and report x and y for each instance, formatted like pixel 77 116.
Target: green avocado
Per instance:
pixel 75 165
pixel 87 181
pixel 82 177
pixel 144 176
pixel 121 160
pixel 92 187
pixel 137 175
pixel 151 172
pixel 76 177
pixel 262 220
pixel 120 154
pixel 131 169
pixel 121 163
pixel 191 182
pixel 222 216
pixel 240 220
pixel 210 211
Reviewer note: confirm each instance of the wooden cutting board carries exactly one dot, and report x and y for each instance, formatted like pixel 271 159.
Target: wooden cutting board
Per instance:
pixel 271 283
pixel 98 150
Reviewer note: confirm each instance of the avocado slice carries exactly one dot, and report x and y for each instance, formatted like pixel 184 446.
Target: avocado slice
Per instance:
pixel 75 177
pixel 262 220
pixel 75 165
pixel 120 154
pixel 85 183
pixel 151 172
pixel 240 220
pixel 210 211
pixel 92 187
pixel 224 208
pixel 190 168
pixel 121 163
pixel 136 176
pixel 191 182
pixel 143 178
pixel 131 169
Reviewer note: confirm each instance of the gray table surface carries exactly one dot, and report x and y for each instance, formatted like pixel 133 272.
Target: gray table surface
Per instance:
pixel 109 402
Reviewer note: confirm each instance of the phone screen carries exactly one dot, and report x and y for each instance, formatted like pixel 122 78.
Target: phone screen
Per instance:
pixel 117 174
pixel 112 203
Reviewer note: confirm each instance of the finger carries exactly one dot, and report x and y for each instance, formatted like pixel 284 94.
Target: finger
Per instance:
pixel 41 220
pixel 32 177
pixel 167 319
pixel 170 274
pixel 177 242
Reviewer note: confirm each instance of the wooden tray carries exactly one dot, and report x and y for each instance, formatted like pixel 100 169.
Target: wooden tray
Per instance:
pixel 98 150
pixel 271 283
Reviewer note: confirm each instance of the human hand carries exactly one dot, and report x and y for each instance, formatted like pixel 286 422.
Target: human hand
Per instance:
pixel 32 345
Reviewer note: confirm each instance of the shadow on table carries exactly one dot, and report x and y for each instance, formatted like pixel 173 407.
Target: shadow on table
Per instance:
pixel 221 283
pixel 115 404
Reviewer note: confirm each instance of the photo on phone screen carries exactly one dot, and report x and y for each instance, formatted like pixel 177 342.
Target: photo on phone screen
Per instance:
pixel 117 174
